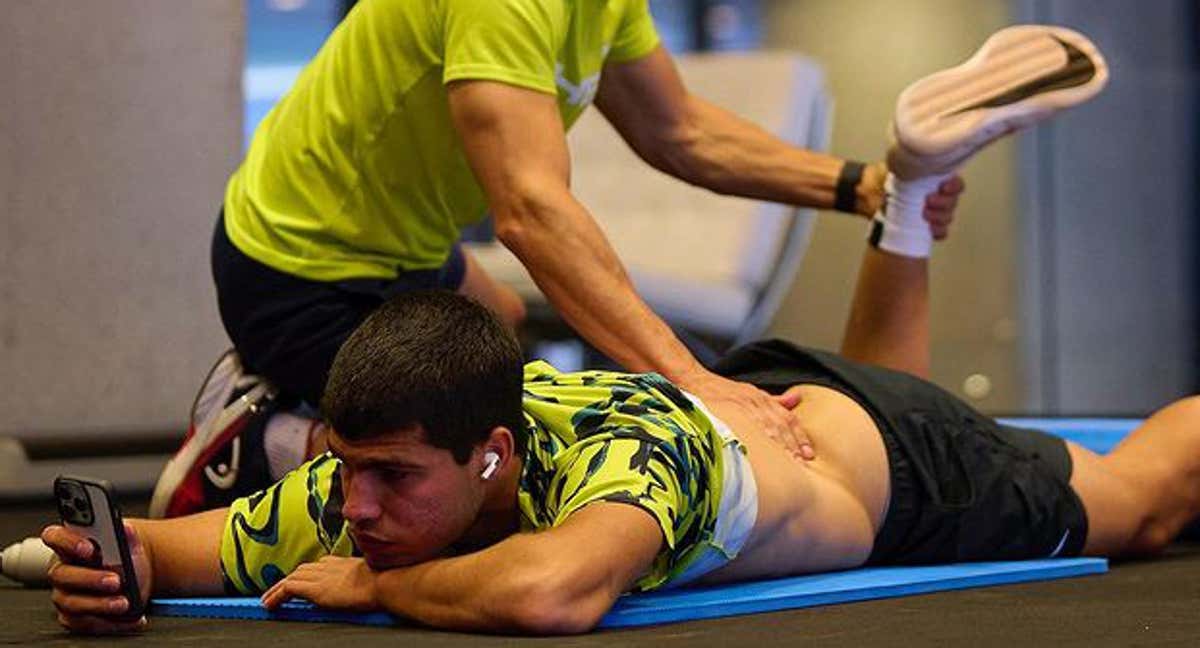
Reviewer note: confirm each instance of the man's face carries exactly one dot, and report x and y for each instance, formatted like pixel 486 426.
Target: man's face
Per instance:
pixel 406 501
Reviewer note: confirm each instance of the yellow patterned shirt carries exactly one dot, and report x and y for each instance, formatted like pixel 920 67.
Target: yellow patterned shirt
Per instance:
pixel 594 436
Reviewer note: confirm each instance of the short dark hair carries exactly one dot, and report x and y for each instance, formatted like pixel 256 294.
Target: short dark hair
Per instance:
pixel 429 358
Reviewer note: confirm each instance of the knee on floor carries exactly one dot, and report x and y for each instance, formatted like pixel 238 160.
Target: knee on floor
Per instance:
pixel 1151 539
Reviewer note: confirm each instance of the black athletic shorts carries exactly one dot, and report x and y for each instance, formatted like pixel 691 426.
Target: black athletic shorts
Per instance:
pixel 963 487
pixel 287 328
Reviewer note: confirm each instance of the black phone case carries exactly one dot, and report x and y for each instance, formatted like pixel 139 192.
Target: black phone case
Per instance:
pixel 129 582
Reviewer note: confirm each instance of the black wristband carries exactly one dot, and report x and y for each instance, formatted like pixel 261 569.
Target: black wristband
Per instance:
pixel 846 194
pixel 876 234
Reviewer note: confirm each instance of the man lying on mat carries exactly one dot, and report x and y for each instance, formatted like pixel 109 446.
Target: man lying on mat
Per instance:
pixel 460 494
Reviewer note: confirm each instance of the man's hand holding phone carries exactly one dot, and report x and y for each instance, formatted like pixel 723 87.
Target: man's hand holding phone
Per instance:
pixel 89 598
pixel 101 571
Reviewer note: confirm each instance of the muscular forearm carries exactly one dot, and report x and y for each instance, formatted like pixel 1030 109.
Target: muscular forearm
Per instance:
pixel 572 262
pixel 184 552
pixel 507 588
pixel 513 139
pixel 718 150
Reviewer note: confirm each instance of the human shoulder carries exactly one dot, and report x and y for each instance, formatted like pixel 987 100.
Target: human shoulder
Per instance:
pixel 304 507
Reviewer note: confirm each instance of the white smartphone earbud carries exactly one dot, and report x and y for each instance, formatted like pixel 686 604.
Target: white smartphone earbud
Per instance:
pixel 493 462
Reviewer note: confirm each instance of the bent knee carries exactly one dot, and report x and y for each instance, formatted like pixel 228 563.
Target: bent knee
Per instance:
pixel 1184 413
pixel 1150 540
pixel 513 313
pixel 1188 408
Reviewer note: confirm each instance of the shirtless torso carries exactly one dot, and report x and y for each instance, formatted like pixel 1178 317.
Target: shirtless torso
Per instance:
pixel 818 515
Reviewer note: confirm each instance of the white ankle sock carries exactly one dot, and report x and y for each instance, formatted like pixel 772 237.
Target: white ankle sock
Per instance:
pixel 900 226
pixel 286 442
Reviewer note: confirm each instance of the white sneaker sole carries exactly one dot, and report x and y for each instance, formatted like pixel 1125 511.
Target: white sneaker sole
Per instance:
pixel 1020 76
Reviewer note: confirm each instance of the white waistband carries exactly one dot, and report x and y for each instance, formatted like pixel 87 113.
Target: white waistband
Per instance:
pixel 738 509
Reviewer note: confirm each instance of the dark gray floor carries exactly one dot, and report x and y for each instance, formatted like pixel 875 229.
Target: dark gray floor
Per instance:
pixel 1155 603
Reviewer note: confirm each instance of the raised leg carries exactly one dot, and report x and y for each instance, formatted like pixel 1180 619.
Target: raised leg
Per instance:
pixel 889 317
pixel 940 122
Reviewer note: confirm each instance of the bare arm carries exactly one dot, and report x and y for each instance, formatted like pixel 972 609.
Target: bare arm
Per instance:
pixel 185 553
pixel 559 581
pixel 178 556
pixel 514 141
pixel 700 143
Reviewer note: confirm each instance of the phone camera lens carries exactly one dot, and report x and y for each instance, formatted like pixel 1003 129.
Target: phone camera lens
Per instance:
pixel 80 504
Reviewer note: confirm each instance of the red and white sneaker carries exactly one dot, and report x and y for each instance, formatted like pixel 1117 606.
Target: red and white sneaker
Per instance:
pixel 222 456
pixel 1020 76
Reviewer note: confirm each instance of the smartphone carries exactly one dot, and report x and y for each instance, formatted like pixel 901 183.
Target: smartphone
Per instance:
pixel 89 507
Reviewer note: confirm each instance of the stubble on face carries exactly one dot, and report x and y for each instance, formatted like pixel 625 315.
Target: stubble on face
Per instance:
pixel 425 501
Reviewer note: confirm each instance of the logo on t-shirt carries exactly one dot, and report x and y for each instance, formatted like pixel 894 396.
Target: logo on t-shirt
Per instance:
pixel 582 93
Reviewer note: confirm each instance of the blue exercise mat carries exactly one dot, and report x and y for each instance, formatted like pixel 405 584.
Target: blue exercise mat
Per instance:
pixel 1098 435
pixel 710 602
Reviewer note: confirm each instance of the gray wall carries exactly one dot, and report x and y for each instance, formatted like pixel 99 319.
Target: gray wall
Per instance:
pixel 119 122
pixel 1069 281
pixel 871 50
pixel 1110 218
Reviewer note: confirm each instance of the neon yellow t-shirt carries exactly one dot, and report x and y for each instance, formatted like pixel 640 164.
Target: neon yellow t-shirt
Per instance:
pixel 594 436
pixel 358 172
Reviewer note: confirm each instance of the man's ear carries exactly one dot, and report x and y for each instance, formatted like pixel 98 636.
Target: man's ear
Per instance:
pixel 496 451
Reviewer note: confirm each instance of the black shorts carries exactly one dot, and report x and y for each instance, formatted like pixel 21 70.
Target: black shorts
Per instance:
pixel 963 487
pixel 288 329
